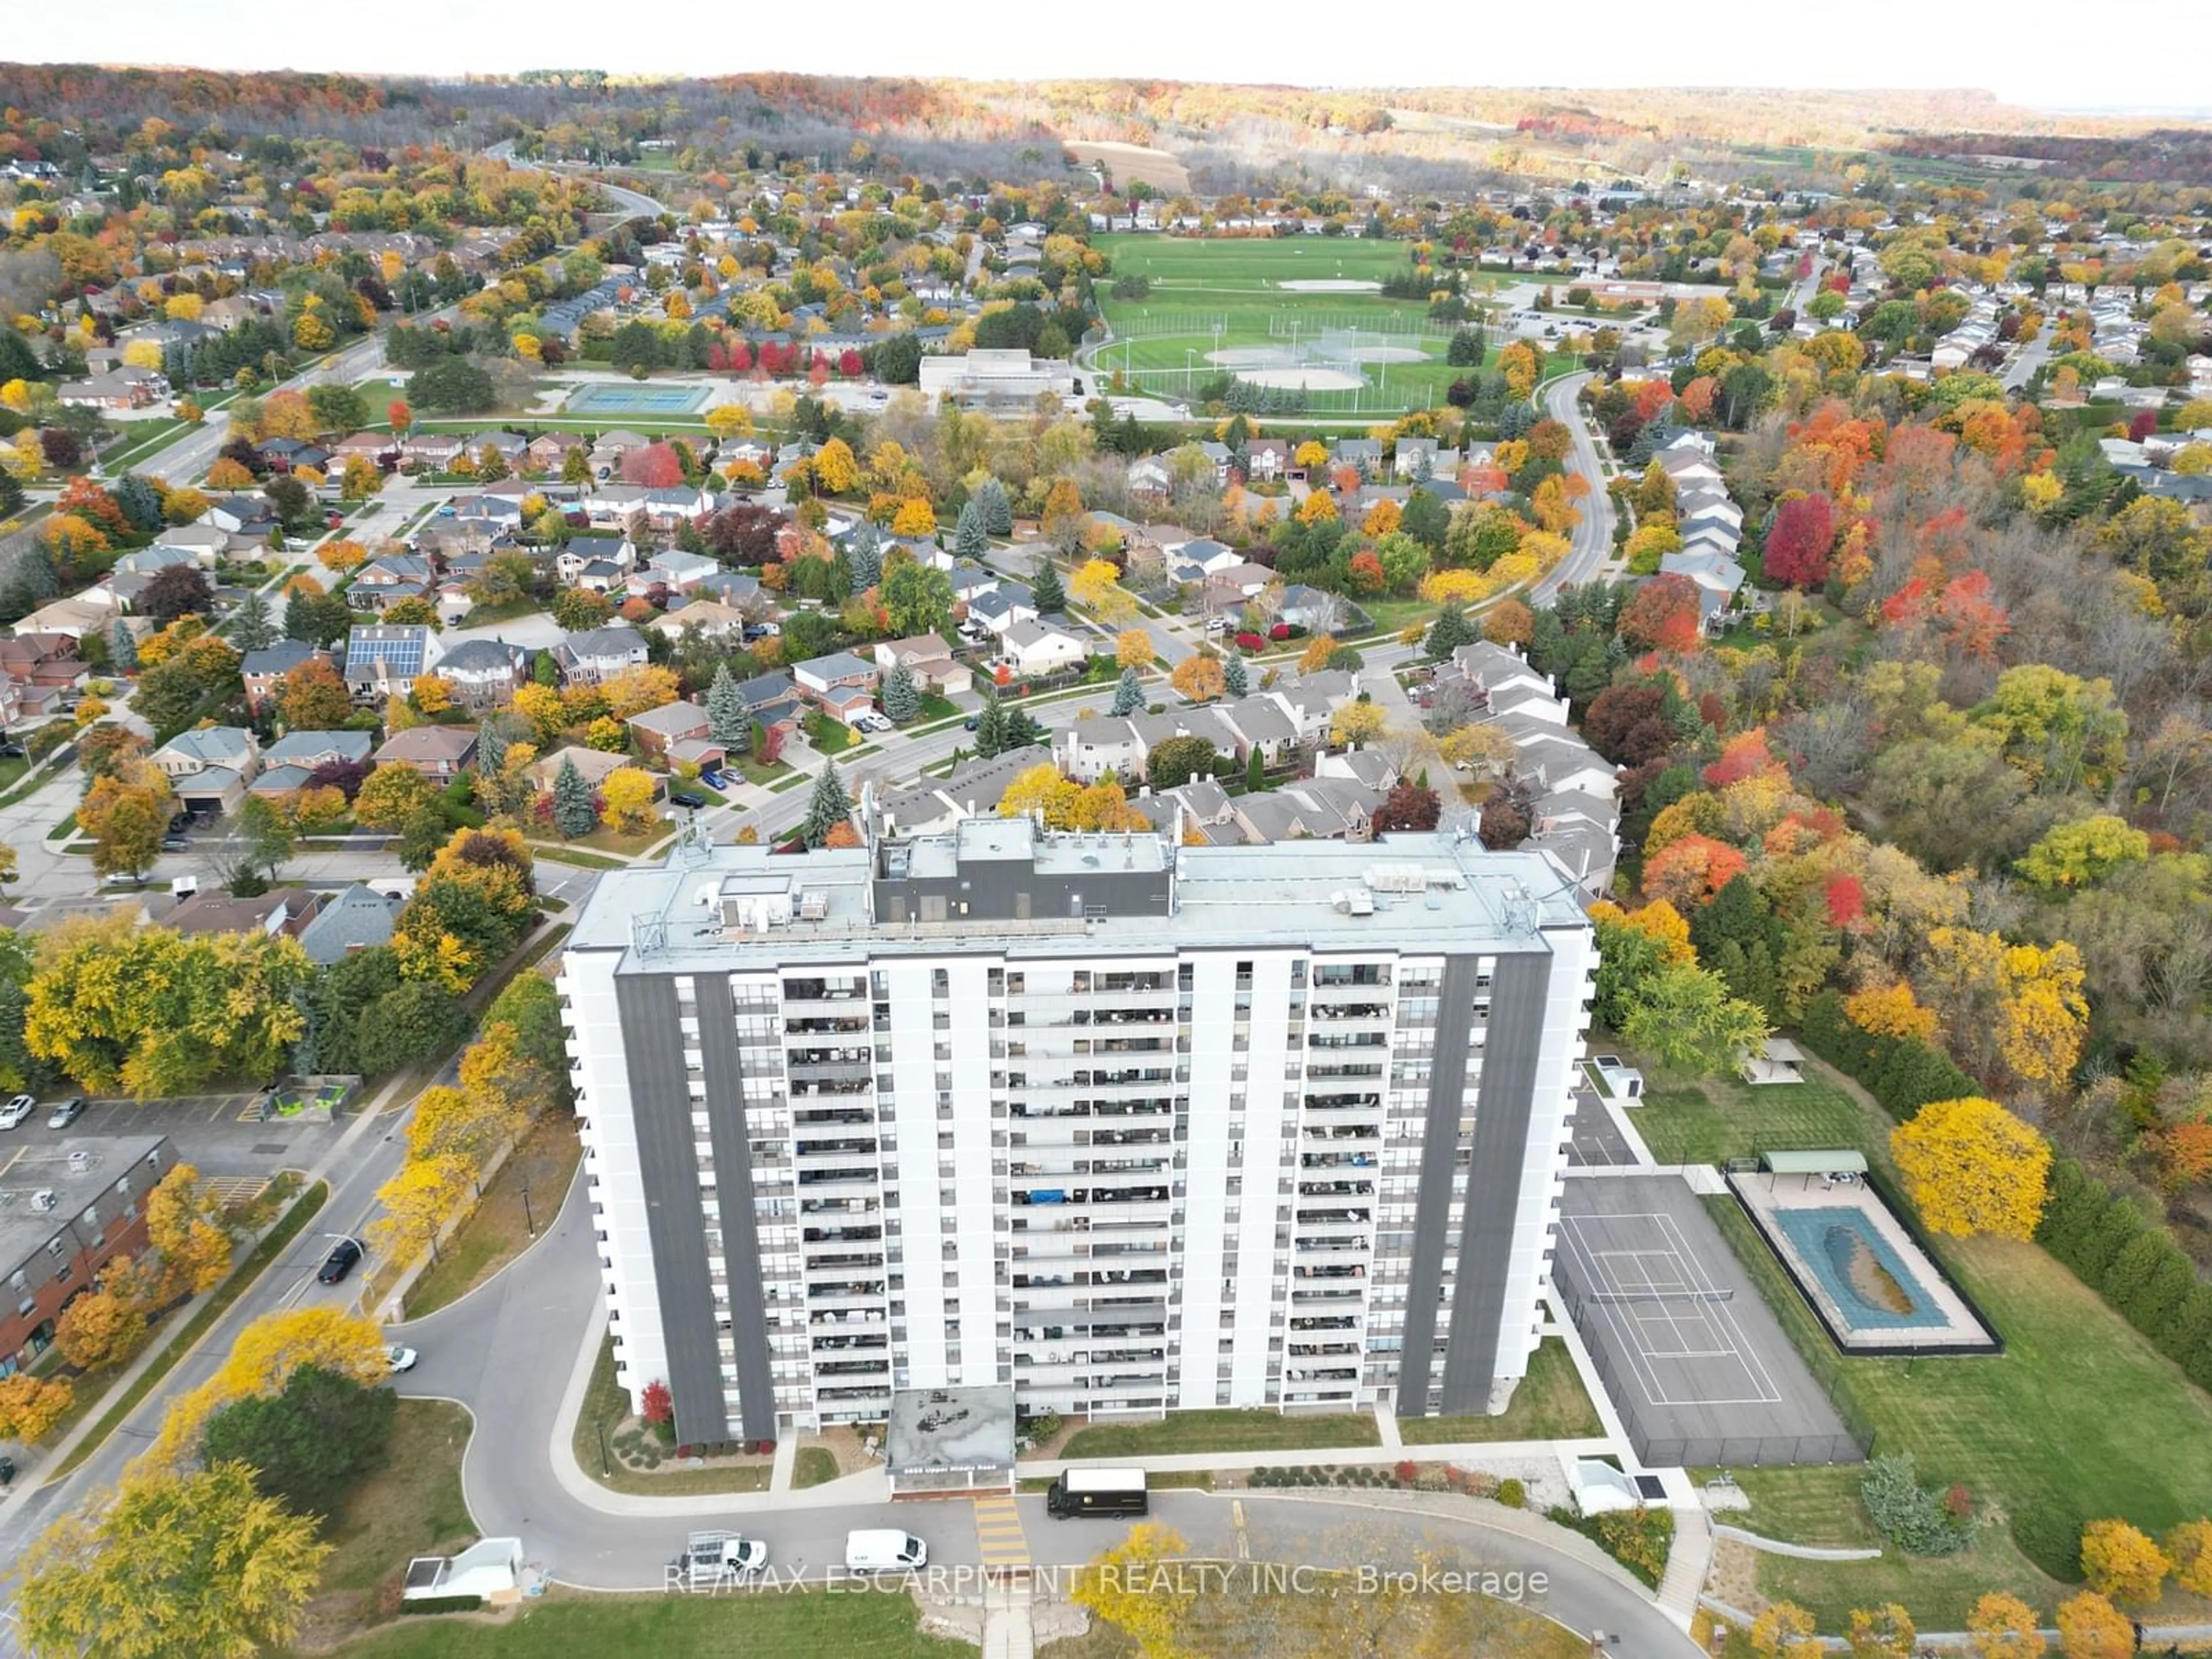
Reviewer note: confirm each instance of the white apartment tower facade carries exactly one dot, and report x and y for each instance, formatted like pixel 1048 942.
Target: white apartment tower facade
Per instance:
pixel 1133 1128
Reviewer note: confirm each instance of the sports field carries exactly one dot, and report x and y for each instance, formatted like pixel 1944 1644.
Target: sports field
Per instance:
pixel 1296 313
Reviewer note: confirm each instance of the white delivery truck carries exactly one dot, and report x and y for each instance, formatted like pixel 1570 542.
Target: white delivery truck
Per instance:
pixel 883 1549
pixel 718 1557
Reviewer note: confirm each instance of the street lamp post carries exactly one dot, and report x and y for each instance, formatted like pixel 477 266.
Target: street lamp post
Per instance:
pixel 606 1462
pixel 529 1220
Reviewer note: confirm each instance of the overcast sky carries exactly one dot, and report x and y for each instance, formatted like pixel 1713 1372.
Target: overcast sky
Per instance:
pixel 2031 52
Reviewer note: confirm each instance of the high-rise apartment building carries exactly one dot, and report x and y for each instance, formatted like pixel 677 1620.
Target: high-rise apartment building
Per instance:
pixel 1131 1126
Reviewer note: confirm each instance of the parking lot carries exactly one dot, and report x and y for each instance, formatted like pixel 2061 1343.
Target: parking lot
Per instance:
pixel 220 1135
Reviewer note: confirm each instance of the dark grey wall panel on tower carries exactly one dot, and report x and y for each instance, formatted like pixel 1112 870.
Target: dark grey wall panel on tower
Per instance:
pixel 1439 1149
pixel 668 1165
pixel 733 1178
pixel 1519 988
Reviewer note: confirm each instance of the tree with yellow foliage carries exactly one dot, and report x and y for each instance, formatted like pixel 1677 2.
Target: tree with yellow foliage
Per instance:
pixel 1355 722
pixel 1971 1167
pixel 835 470
pixel 1126 1588
pixel 1096 587
pixel 1318 507
pixel 31 1406
pixel 185 1225
pixel 626 797
pixel 1133 648
pixel 461 1124
pixel 1381 518
pixel 419 1202
pixel 1882 1633
pixel 2091 1627
pixel 2003 1627
pixel 1199 678
pixel 914 517
pixel 431 694
pixel 2122 1562
pixel 1311 453
pixel 635 690
pixel 342 556
pixel 541 706
pixel 275 1344
pixel 736 421
pixel 181 1561
pixel 1890 1011
pixel 1785 1631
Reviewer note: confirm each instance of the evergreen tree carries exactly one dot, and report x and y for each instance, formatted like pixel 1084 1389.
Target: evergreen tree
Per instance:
pixel 1128 694
pixel 491 749
pixel 1045 589
pixel 1255 772
pixel 727 719
pixel 251 628
pixel 827 807
pixel 990 727
pixel 574 814
pixel 11 494
pixel 1236 679
pixel 864 551
pixel 301 622
pixel 990 499
pixel 971 540
pixel 902 696
pixel 1450 631
pixel 122 647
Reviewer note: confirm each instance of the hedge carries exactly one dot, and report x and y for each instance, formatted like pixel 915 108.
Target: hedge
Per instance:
pixel 1903 1073
pixel 2124 1256
pixel 443 1604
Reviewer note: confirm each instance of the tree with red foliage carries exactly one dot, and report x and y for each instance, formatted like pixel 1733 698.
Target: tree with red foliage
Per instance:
pixel 1691 870
pixel 1408 806
pixel 1508 816
pixel 849 363
pixel 1664 614
pixel 742 533
pixel 1744 756
pixel 741 356
pixel 718 356
pixel 1798 547
pixel 346 776
pixel 654 465
pixel 768 744
pixel 1628 725
pixel 655 1404
pixel 1366 572
pixel 1845 899
pixel 400 415
pixel 2144 423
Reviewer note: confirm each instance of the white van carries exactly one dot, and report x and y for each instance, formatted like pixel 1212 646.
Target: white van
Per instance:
pixel 883 1549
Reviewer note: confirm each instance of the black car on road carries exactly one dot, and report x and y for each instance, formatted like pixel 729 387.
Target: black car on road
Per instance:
pixel 340 1262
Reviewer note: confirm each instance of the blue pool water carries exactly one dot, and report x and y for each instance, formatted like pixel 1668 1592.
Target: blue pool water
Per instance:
pixel 1830 1242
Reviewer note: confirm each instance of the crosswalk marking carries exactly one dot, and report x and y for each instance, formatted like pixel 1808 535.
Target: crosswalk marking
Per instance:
pixel 998 1532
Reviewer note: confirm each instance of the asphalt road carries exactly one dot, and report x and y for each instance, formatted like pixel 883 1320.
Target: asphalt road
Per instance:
pixel 511 1351
pixel 1593 537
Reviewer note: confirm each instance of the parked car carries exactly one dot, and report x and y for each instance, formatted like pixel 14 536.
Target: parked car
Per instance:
pixel 871 722
pixel 66 1114
pixel 685 798
pixel 971 722
pixel 176 844
pixel 397 1358
pixel 13 1113
pixel 340 1262
pixel 711 778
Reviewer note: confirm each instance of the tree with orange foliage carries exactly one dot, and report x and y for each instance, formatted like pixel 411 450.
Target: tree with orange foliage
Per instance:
pixel 1743 756
pixel 2091 1627
pixel 1381 518
pixel 1664 615
pixel 1691 870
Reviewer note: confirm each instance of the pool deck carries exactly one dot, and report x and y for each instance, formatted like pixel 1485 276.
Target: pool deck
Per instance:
pixel 1958 1331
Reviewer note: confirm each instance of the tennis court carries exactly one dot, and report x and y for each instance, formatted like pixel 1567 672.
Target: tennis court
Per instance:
pixel 602 400
pixel 1695 1361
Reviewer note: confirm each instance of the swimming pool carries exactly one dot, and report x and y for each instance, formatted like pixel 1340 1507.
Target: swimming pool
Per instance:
pixel 604 399
pixel 1867 1282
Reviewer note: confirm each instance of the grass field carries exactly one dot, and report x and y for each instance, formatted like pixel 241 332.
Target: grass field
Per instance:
pixel 1221 1430
pixel 1238 282
pixel 1717 1118
pixel 1551 1404
pixel 499 1229
pixel 697 1627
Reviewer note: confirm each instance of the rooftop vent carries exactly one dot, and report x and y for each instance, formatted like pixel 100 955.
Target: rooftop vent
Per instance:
pixel 44 1199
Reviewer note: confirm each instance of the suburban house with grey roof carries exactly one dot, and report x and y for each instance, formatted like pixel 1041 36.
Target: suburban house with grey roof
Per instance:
pixel 485 673
pixel 210 768
pixel 598 654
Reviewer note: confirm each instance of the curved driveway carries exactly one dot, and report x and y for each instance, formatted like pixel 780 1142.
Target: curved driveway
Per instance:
pixel 517 1351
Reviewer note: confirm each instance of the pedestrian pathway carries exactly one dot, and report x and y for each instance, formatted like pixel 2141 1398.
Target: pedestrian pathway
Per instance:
pixel 1009 1620
pixel 787 1459
pixel 999 1531
pixel 1687 1563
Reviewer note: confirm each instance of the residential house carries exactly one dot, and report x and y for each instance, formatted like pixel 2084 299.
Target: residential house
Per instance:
pixel 592 765
pixel 656 729
pixel 607 453
pixel 970 580
pixel 485 673
pixel 840 685
pixel 598 654
pixel 1313 809
pixel 1087 750
pixel 1035 647
pixel 933 805
pixel 358 918
pixel 440 753
pixel 264 671
pixel 735 587
pixel 379 449
pixel 659 509
pixel 40 668
pixel 1311 700
pixel 773 702
pixel 549 450
pixel 930 661
pixel 282 455
pixel 201 543
pixel 714 620
pixel 1319 611
pixel 279 910
pixel 677 571
pixel 1269 458
pixel 289 763
pixel 1260 722
pixel 1000 608
pixel 383 582
pixel 1366 455
pixel 383 658
pixel 436 451
pixel 209 767
pixel 1717 578
pixel 122 388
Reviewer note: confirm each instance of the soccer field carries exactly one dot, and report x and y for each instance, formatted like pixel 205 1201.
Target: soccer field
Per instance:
pixel 1270 310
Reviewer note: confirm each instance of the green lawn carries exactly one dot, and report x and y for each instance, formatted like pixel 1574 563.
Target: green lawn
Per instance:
pixel 1551 1404
pixel 697 1627
pixel 814 1466
pixel 411 1506
pixel 1717 1118
pixel 605 1406
pixel 1236 282
pixel 1223 1430
pixel 757 772
pixel 936 707
pixel 2079 1412
pixel 829 737
pixel 498 1229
